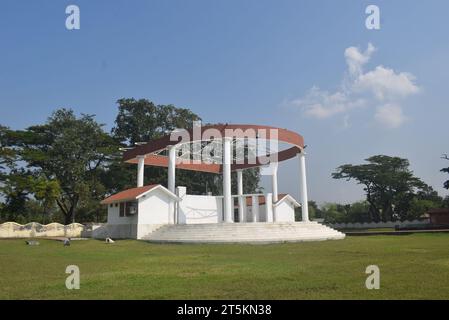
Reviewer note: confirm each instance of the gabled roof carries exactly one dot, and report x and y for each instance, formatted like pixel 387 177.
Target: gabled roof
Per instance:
pixel 287 197
pixel 136 193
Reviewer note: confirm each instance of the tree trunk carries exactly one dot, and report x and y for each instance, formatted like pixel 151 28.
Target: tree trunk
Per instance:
pixel 70 217
pixel 373 210
pixel 69 213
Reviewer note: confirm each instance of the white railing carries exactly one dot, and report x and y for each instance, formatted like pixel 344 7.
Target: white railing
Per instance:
pixel 253 213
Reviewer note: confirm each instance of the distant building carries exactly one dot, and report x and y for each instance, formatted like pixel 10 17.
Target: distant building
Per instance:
pixel 439 216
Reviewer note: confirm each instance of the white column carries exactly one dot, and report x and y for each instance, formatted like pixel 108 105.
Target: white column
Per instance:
pixel 171 184
pixel 240 193
pixel 269 206
pixel 227 200
pixel 171 168
pixel 303 187
pixel 180 215
pixel 274 181
pixel 255 208
pixel 140 170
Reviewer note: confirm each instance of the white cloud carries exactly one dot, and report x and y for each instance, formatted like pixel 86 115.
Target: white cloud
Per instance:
pixel 386 84
pixel 356 59
pixel 390 115
pixel 380 86
pixel 321 104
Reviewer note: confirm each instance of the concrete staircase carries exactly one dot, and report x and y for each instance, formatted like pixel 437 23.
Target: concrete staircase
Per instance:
pixel 256 233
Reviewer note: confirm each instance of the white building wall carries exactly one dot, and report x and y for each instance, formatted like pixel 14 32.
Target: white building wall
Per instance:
pixel 285 212
pixel 154 208
pixel 154 211
pixel 200 209
pixel 114 216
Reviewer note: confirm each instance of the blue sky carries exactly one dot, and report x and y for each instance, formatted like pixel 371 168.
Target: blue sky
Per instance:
pixel 250 61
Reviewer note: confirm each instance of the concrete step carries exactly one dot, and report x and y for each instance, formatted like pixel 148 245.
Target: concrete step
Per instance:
pixel 260 232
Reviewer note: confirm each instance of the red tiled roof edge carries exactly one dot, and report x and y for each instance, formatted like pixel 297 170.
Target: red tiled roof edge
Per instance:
pixel 129 194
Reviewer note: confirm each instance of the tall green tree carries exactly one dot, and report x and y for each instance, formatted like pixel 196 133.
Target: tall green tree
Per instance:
pixel 47 193
pixel 71 151
pixel 7 153
pixel 142 120
pixel 389 184
pixel 16 188
pixel 446 170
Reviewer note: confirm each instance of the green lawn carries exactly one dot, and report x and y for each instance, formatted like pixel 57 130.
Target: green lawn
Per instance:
pixel 412 266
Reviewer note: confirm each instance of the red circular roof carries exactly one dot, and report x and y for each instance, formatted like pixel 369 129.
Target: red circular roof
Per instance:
pixel 152 150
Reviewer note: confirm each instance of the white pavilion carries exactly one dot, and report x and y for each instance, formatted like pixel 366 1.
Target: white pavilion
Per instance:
pixel 170 214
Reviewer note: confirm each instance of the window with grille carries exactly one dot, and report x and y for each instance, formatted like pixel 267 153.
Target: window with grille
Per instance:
pixel 128 209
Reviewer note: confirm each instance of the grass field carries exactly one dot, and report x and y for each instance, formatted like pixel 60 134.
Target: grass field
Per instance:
pixel 412 266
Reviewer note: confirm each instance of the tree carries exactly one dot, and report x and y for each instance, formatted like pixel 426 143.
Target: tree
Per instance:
pixel 446 170
pixel 334 213
pixel 141 120
pixel 69 151
pixel 16 189
pixel 420 206
pixel 314 211
pixel 47 192
pixel 389 185
pixel 358 212
pixel 3 150
pixel 445 202
pixel 7 154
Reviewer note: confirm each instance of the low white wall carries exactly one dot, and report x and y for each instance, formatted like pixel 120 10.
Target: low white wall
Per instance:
pixel 200 209
pixel 36 230
pixel 375 225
